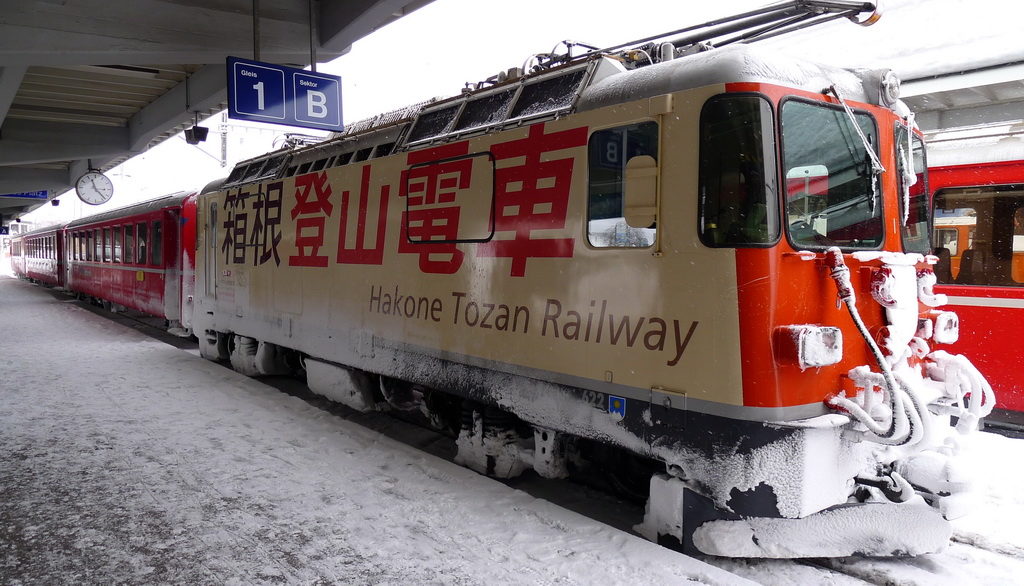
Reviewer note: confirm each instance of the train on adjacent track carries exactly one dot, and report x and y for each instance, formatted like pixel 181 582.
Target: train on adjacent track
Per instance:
pixel 129 258
pixel 977 186
pixel 711 261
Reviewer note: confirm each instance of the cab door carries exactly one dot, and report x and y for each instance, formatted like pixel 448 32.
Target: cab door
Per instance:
pixel 209 254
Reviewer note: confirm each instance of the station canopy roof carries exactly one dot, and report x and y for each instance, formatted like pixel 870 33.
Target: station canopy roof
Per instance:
pixel 95 82
pixel 962 64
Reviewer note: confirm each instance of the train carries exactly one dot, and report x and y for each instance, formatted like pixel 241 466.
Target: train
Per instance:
pixel 129 258
pixel 977 186
pixel 705 265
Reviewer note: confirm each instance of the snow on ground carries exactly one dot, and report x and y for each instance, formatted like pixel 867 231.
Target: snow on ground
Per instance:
pixel 125 460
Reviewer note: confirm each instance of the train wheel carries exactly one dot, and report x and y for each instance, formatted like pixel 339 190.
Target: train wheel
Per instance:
pixel 213 346
pixel 489 442
pixel 401 395
pixel 252 357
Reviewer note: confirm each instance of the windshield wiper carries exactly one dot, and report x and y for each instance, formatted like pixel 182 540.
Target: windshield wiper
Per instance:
pixel 876 164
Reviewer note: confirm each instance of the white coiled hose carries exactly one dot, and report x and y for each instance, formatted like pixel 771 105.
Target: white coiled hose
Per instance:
pixel 905 423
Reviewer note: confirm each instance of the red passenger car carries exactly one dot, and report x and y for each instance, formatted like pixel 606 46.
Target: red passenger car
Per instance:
pixel 133 256
pixel 978 211
pixel 39 256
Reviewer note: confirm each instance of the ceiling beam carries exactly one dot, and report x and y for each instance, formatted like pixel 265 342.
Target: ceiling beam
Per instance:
pixel 962 80
pixel 10 81
pixel 947 119
pixel 19 179
pixel 26 142
pixel 343 23
pixel 206 91
pixel 94 31
pixel 90 83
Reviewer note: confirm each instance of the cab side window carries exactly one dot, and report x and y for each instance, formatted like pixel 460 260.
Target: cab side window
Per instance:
pixel 738 205
pixel 609 151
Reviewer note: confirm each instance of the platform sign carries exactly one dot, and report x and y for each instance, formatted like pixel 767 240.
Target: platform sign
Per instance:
pixel 28 194
pixel 265 92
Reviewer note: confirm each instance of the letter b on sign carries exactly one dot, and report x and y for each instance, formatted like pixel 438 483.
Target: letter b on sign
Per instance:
pixel 317 99
pixel 316 103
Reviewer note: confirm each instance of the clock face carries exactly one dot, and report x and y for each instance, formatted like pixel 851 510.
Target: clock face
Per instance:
pixel 94 188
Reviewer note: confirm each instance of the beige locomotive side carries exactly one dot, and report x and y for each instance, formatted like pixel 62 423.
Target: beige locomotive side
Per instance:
pixel 537 298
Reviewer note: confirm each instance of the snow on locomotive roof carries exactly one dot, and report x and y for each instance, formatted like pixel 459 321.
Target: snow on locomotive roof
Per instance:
pixel 138 208
pixel 584 84
pixel 735 63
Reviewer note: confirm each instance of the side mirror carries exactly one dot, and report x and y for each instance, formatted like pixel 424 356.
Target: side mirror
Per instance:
pixel 640 201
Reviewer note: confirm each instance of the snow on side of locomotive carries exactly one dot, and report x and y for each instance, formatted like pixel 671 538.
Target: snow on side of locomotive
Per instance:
pixel 702 261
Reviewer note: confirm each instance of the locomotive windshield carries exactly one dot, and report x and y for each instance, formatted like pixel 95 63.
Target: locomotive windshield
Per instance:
pixel 832 193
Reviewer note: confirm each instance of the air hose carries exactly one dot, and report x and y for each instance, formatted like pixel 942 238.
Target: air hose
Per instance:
pixel 905 423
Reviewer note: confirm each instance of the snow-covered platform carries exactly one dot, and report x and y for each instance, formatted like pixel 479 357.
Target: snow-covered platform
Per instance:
pixel 126 460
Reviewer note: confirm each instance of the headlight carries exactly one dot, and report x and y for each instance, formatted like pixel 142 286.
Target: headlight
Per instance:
pixel 809 346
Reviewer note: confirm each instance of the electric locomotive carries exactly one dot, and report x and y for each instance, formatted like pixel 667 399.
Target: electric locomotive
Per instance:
pixel 703 255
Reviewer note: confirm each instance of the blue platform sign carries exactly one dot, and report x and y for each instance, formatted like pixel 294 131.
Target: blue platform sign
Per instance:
pixel 28 194
pixel 265 92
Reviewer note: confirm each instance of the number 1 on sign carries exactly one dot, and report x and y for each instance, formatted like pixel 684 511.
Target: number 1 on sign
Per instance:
pixel 259 95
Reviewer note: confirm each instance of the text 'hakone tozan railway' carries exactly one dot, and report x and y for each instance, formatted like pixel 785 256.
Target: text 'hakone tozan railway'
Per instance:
pixel 621 262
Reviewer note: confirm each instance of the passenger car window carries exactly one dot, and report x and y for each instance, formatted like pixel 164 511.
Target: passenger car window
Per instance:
pixel 107 245
pixel 143 240
pixel 129 244
pixel 156 246
pixel 988 223
pixel 118 231
pixel 738 205
pixel 608 152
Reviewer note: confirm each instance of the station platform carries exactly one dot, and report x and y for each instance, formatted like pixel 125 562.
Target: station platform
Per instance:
pixel 126 460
